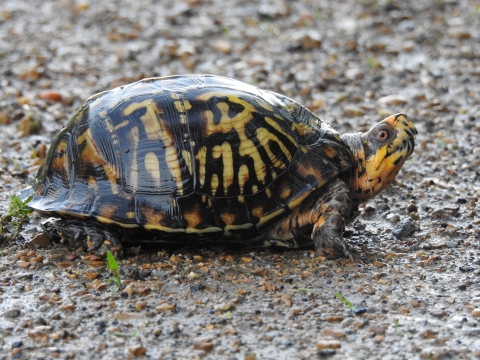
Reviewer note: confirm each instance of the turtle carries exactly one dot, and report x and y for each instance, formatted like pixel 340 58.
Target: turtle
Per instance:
pixel 208 159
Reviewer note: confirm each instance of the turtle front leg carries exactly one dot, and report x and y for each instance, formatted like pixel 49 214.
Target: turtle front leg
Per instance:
pixel 322 218
pixel 332 211
pixel 91 236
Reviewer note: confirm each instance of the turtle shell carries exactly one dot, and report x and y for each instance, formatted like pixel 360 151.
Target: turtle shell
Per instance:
pixel 188 154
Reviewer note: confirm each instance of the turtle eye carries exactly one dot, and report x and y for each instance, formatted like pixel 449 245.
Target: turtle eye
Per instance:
pixel 384 134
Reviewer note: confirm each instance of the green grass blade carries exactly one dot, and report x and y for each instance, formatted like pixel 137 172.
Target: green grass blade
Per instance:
pixel 344 300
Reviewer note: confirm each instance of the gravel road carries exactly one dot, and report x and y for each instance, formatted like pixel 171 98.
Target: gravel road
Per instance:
pixel 416 295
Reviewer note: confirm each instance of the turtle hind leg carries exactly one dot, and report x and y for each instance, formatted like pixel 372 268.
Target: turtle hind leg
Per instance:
pixel 92 236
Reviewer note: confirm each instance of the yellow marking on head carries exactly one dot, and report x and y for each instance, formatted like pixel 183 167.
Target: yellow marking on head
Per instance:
pixel 183 119
pixel 228 218
pixel 152 165
pixel 241 199
pixel 133 135
pixel 243 176
pixel 301 129
pixel 187 105
pixel 387 160
pixel 175 96
pixel 254 188
pixel 202 162
pixel 130 214
pixel 91 154
pixel 214 184
pixel 264 137
pixel 122 124
pixel 187 156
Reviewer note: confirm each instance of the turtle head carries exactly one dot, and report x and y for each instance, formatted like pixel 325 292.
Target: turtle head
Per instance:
pixel 378 156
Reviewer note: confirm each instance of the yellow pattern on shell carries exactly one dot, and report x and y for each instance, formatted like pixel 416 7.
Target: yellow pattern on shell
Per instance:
pixel 264 137
pixel 134 137
pixel 187 156
pixel 214 184
pixel 301 129
pixel 152 165
pixel 237 123
pixel 156 130
pixel 91 154
pixel 202 162
pixel 228 218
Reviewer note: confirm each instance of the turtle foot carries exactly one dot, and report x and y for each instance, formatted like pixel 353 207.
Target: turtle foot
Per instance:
pixel 96 238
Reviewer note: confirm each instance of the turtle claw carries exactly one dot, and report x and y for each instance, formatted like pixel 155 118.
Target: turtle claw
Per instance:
pixel 93 237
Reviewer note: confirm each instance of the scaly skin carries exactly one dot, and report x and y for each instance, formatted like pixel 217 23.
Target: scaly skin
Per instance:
pixel 322 218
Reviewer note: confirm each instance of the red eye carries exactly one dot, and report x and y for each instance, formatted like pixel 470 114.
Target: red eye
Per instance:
pixel 382 135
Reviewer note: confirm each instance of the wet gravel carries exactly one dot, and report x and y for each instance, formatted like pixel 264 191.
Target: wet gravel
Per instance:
pixel 417 295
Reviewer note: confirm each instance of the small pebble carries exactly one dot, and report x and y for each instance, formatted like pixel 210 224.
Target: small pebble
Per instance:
pixel 393 218
pixel 23 276
pixel 337 334
pixel 12 313
pixel 222 46
pixel 476 312
pixel 437 312
pixel 137 351
pixel 391 100
pixel 451 244
pixel 328 344
pixel 403 229
pixel 352 112
pixel 358 310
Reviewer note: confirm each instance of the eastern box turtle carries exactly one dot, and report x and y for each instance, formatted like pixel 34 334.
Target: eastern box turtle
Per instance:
pixel 212 159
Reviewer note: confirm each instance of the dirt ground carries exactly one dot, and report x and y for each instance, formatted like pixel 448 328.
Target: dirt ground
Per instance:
pixel 351 62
